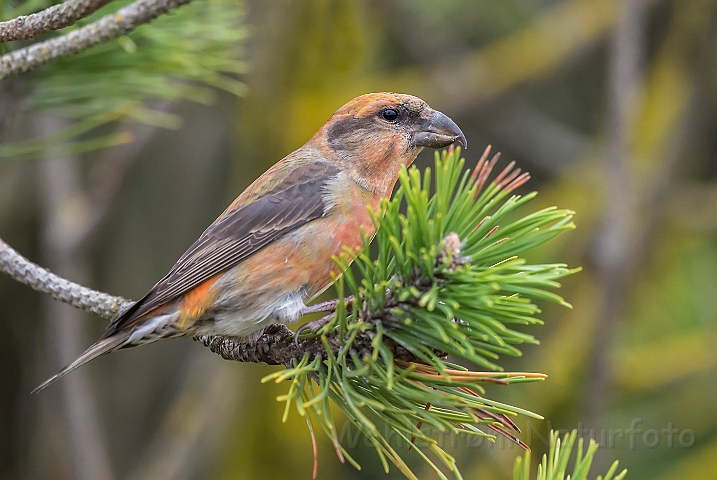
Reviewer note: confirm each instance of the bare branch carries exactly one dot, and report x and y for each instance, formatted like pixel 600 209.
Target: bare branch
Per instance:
pixel 48 20
pixel 44 281
pixel 103 30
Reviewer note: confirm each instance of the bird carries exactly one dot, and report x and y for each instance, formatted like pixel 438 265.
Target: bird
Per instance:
pixel 271 251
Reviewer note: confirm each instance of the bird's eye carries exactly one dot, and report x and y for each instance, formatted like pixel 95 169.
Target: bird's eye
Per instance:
pixel 390 114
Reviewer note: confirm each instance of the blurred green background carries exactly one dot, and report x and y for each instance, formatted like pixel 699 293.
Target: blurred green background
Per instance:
pixel 611 105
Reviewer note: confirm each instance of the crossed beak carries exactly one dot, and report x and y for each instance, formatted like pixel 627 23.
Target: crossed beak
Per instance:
pixel 437 130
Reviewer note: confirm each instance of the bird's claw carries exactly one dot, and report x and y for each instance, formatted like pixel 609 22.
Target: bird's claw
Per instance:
pixel 313 326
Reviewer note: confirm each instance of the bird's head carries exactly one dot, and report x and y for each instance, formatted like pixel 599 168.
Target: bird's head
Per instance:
pixel 374 135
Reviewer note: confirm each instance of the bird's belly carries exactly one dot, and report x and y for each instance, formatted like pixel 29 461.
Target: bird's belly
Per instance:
pixel 272 286
pixel 243 323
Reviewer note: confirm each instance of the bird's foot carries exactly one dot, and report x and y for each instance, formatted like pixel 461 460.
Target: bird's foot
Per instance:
pixel 313 326
pixel 328 306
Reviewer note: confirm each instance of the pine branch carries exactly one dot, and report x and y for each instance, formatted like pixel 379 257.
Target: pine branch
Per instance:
pixel 27 27
pixel 103 30
pixel 446 281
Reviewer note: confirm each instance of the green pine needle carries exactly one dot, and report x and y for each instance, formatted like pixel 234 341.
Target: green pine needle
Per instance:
pixel 447 280
pixel 555 463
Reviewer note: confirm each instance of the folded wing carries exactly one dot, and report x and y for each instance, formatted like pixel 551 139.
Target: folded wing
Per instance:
pixel 239 234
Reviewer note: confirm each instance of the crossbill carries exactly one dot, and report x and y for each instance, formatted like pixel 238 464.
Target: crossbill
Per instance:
pixel 270 252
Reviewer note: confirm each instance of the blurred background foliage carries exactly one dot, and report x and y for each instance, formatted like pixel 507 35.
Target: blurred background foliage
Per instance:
pixel 122 80
pixel 610 104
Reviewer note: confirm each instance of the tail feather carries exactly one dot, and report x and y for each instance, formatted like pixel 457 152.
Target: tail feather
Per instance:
pixel 102 346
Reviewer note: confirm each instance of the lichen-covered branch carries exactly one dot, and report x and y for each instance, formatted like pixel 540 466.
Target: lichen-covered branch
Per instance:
pixel 42 280
pixel 103 30
pixel 27 27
